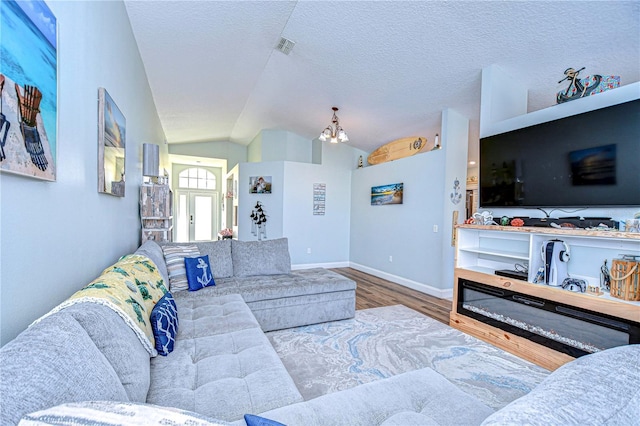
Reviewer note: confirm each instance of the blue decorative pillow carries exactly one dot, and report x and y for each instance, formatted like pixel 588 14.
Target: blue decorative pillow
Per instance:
pixel 199 273
pixel 252 420
pixel 164 322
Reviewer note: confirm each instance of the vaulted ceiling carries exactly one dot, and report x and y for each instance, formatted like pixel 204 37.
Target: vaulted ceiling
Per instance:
pixel 390 66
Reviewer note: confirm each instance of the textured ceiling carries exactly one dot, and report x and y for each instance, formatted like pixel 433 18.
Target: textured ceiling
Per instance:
pixel 390 66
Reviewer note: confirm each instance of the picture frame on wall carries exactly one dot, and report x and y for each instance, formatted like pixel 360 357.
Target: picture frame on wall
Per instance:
pixel 387 194
pixel 260 185
pixel 28 89
pixel 111 146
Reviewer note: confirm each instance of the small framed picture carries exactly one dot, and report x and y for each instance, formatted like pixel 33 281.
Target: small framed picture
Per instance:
pixel 387 194
pixel 260 184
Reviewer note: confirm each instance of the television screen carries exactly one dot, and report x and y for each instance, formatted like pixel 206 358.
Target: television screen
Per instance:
pixel 589 159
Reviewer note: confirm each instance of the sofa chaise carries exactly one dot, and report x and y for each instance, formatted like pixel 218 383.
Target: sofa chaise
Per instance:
pixel 85 363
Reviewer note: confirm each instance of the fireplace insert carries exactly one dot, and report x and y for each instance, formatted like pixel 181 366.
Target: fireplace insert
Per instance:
pixel 564 328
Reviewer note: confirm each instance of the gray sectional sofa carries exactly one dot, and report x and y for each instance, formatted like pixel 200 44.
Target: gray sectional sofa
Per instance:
pixel 83 364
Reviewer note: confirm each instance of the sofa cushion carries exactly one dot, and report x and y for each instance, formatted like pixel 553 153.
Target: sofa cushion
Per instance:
pixel 198 272
pixel 109 413
pixel 153 251
pixel 116 288
pixel 53 362
pixel 164 322
pixel 119 345
pixel 275 287
pixel 598 389
pixel 219 253
pixel 223 365
pixel 174 257
pixel 268 257
pixel 421 397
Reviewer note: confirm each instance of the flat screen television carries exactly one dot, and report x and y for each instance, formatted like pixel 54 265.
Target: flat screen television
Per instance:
pixel 586 160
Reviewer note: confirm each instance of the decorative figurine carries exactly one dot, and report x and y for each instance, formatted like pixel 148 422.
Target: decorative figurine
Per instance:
pixel 605 277
pixel 259 222
pixel 590 85
pixel 456 196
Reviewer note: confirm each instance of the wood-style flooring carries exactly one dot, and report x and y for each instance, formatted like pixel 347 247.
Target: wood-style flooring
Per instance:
pixel 374 292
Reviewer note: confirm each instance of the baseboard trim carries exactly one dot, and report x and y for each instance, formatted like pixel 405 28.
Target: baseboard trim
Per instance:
pixel 424 288
pixel 320 265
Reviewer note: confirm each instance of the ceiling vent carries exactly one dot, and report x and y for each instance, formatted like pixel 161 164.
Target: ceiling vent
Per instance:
pixel 285 45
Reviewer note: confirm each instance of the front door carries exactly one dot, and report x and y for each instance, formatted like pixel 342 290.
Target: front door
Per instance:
pixel 196 215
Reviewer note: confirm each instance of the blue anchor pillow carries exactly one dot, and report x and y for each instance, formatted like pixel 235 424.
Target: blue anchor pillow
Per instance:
pixel 164 322
pixel 199 273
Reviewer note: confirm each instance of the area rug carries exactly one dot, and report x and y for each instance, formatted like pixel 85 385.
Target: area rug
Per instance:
pixel 383 342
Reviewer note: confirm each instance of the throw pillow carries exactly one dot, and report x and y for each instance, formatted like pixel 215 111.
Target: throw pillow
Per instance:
pixel 164 322
pixel 252 420
pixel 269 257
pixel 174 257
pixel 198 272
pixel 110 413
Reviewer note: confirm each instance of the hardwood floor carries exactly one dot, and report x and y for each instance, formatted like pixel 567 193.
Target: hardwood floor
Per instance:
pixel 374 292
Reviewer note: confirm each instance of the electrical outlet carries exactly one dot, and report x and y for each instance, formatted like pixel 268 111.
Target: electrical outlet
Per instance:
pixel 390 258
pixel 308 250
pixel 435 228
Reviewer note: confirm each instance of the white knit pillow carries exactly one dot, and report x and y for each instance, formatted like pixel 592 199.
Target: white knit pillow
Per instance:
pixel 174 257
pixel 116 413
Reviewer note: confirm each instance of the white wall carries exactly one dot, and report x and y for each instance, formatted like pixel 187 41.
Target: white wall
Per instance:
pixel 254 150
pixel 57 236
pixel 404 231
pixel 278 145
pixel 272 203
pixel 327 236
pixel 232 152
pixel 416 235
pixel 289 207
pixel 455 139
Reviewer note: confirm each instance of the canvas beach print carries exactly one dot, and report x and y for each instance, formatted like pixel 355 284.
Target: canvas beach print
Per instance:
pixel 387 194
pixel 28 89
pixel 111 146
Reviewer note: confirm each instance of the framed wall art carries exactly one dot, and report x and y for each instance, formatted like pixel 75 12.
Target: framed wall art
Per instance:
pixel 111 146
pixel 260 185
pixel 387 194
pixel 28 89
pixel 319 198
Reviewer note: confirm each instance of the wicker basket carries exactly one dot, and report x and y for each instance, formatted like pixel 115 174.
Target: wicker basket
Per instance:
pixel 625 279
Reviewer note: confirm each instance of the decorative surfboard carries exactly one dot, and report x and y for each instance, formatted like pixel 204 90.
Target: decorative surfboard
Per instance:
pixel 400 148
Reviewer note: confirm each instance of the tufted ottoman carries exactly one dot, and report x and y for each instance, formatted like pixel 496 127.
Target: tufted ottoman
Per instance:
pixel 223 365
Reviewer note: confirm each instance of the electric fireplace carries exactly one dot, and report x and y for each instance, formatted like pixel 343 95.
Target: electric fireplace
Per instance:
pixel 564 328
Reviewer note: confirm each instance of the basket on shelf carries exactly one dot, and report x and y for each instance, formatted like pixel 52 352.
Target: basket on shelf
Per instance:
pixel 625 278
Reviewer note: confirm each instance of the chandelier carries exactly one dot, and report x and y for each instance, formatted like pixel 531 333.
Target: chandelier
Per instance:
pixel 333 132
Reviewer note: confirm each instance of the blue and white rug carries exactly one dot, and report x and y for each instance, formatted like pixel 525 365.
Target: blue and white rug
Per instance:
pixel 383 342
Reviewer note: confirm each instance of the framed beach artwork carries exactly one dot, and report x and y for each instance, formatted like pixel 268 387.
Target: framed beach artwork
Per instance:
pixel 111 146
pixel 28 89
pixel 387 194
pixel 260 185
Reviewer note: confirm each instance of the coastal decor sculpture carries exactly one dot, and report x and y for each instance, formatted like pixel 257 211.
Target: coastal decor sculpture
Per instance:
pixel 590 85
pixel 456 195
pixel 400 148
pixel 259 221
